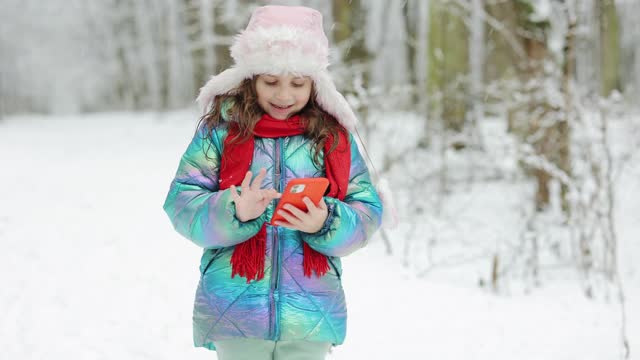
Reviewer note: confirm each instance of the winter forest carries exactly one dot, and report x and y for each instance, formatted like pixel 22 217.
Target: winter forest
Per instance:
pixel 509 131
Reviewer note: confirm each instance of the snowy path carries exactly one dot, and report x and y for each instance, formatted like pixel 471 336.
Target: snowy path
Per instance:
pixel 91 268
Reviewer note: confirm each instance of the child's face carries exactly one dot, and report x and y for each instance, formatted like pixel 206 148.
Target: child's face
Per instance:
pixel 283 95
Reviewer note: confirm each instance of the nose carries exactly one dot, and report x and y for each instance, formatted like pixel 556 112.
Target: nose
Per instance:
pixel 282 94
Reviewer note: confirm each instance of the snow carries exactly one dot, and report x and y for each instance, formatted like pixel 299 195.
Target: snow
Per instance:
pixel 541 10
pixel 92 269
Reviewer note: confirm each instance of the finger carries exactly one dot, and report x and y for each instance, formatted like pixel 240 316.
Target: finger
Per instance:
pixel 286 225
pixel 257 182
pixel 246 181
pixel 264 198
pixel 310 205
pixel 234 193
pixel 295 211
pixel 290 218
pixel 271 194
pixel 323 205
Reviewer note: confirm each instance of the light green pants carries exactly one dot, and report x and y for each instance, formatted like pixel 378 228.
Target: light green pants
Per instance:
pixel 254 349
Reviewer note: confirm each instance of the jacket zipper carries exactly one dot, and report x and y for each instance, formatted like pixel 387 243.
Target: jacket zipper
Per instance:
pixel 275 254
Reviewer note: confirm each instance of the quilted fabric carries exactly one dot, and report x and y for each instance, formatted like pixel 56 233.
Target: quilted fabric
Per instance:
pixel 284 305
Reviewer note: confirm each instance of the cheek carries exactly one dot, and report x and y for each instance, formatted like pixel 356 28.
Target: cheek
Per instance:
pixel 304 95
pixel 262 93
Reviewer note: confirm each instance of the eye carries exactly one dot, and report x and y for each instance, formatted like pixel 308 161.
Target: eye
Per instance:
pixel 297 85
pixel 271 83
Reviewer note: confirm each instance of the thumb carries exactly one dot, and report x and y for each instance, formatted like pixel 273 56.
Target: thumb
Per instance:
pixel 323 205
pixel 271 194
pixel 275 194
pixel 234 193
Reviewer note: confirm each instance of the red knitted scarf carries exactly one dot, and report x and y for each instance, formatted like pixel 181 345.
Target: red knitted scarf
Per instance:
pixel 248 257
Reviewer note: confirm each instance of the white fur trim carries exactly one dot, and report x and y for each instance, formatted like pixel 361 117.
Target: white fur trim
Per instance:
pixel 333 102
pixel 327 96
pixel 220 84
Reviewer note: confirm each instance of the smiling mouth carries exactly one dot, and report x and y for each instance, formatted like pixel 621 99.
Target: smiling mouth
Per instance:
pixel 281 107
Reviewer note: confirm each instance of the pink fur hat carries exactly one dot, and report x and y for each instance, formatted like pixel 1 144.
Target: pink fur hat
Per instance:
pixel 280 40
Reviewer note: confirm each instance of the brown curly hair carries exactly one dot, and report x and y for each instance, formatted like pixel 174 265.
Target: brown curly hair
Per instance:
pixel 246 111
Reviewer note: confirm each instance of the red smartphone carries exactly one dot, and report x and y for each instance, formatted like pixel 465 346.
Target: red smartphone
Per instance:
pixel 296 190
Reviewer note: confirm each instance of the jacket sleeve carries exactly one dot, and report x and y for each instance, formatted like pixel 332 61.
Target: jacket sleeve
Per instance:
pixel 197 208
pixel 353 221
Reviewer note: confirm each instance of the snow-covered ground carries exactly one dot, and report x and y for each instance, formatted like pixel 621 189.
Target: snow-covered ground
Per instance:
pixel 90 267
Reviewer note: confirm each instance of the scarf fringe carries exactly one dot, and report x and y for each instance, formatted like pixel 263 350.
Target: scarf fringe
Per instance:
pixel 247 259
pixel 314 261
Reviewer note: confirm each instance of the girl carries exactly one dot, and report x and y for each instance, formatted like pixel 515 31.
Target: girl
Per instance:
pixel 273 291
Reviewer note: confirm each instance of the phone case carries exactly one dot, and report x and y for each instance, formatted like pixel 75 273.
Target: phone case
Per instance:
pixel 296 190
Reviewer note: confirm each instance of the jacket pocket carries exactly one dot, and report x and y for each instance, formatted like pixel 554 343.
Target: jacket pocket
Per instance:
pixel 215 254
pixel 335 268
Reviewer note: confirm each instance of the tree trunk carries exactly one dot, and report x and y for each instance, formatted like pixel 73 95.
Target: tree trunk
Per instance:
pixel 449 48
pixel 541 122
pixel 610 45
pixel 222 30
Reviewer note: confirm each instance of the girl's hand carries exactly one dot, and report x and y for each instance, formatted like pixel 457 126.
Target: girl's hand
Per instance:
pixel 252 202
pixel 310 221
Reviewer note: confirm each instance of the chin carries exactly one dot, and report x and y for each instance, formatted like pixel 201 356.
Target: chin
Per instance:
pixel 275 115
pixel 278 117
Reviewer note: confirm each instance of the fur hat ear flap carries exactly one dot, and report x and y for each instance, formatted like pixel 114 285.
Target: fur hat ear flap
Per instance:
pixel 222 83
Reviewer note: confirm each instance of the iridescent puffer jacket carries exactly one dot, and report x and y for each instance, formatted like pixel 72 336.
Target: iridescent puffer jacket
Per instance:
pixel 284 305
